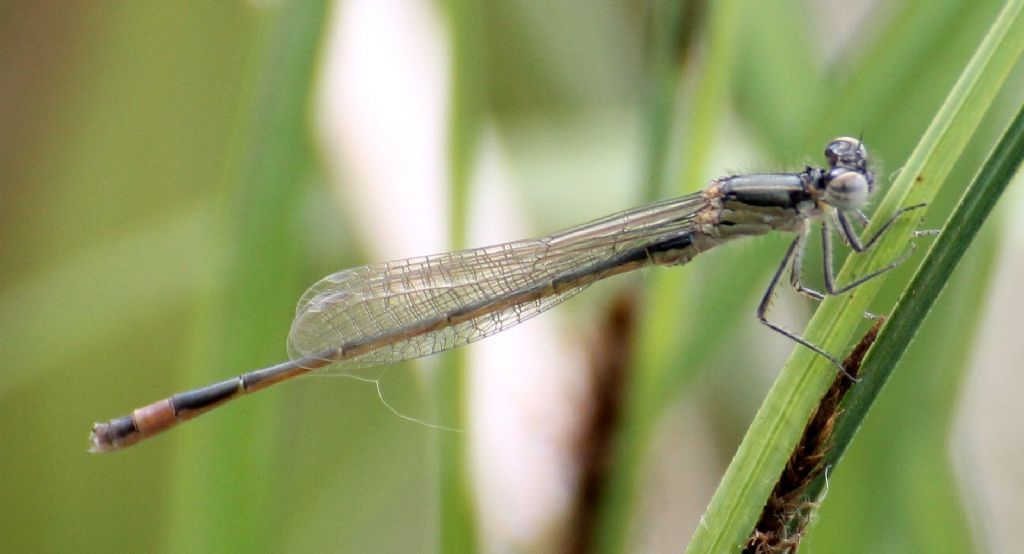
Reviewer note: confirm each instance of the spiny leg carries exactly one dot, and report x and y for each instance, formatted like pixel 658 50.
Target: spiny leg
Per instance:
pixel 796 268
pixel 794 260
pixel 850 237
pixel 854 240
pixel 762 308
pixel 826 251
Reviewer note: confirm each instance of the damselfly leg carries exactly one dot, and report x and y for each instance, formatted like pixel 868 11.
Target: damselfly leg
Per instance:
pixel 793 259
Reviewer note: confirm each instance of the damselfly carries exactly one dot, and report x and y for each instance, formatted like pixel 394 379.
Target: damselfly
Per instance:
pixel 382 314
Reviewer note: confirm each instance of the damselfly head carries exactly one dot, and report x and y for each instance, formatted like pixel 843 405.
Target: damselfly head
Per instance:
pixel 848 182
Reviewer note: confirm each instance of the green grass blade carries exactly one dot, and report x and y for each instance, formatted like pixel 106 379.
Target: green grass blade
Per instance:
pixel 781 418
pixel 656 364
pixel 273 159
pixel 457 513
pixel 664 55
pixel 920 295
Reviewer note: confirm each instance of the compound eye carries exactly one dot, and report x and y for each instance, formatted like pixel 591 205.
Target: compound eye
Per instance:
pixel 846 152
pixel 847 190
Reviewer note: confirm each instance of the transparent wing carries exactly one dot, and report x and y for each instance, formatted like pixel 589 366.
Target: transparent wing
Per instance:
pixel 394 303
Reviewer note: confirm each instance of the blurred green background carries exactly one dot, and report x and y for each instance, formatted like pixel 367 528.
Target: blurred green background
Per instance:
pixel 172 177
